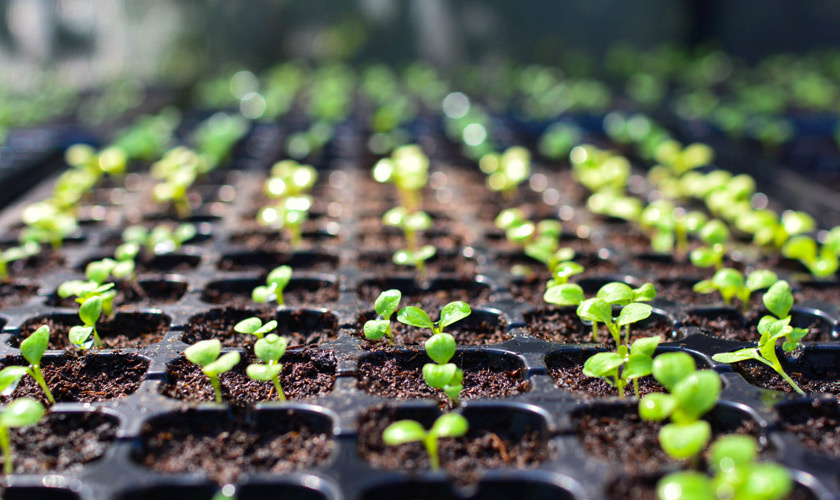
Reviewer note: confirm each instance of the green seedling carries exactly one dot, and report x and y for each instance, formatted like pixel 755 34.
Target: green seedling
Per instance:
pixel 821 261
pixel 159 240
pixel 254 326
pixel 177 170
pixel 714 234
pixel 385 306
pixel 599 170
pixel 275 283
pixel 415 258
pixel 670 226
pixel 772 327
pixel 206 354
pixel 540 241
pixel 408 170
pixel 290 178
pixel 85 337
pixel 769 229
pixel 617 205
pixel 290 214
pixel 21 412
pixel 32 348
pixel 269 349
pixel 448 425
pixel 84 290
pixel 506 171
pixel 442 374
pixel 737 474
pixel 562 272
pixel 691 394
pixel 46 223
pixel 730 284
pixel 100 270
pixel 451 313
pixel 22 252
pixel 626 365
pixel 409 223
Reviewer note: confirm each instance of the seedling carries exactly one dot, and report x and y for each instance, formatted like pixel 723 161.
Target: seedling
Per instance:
pixel 562 272
pixel 442 374
pixel 385 306
pixel 821 261
pixel 85 337
pixel 269 349
pixel 670 226
pixel 448 425
pixel 32 348
pixel 100 270
pixel 254 326
pixel 290 178
pixel 691 394
pixel 714 234
pixel 161 239
pixel 45 223
pixel 19 413
pixel 778 300
pixel 451 313
pixel 84 290
pixel 289 214
pixel 22 252
pixel 619 368
pixel 276 282
pixel 408 170
pixel 415 258
pixel 730 283
pixel 206 354
pixel 177 170
pixel 768 229
pixel 736 474
pixel 540 241
pixel 506 171
pixel 409 223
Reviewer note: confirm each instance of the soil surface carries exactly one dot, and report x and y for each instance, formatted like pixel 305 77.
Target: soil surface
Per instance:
pixel 442 263
pixel 817 428
pixel 233 294
pixel 145 292
pixel 491 443
pixel 728 324
pixel 48 261
pixel 813 378
pixel 125 330
pixel 563 325
pixel 62 442
pixel 830 294
pixel 399 375
pixel 433 299
pixel 306 373
pixel 225 445
pixel 266 261
pixel 275 241
pixel 83 378
pixel 298 326
pixel 567 371
pixel 680 291
pixel 14 294
pixel 474 330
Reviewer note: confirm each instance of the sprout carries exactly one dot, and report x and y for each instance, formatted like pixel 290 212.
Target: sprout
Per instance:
pixel 269 349
pixel 451 313
pixel 737 473
pixel 32 348
pixel 85 337
pixel 276 282
pixel 415 258
pixel 539 241
pixel 442 374
pixel 205 354
pixel 820 261
pixel 99 271
pixel 177 170
pixel 506 171
pixel 562 272
pixel 448 425
pixel 385 306
pixel 670 226
pixel 559 139
pixel 24 251
pixel 619 368
pixel 290 178
pixel 254 326
pixel 715 234
pixel 160 240
pixel 410 223
pixel 45 223
pixel 84 290
pixel 730 283
pixel 772 327
pixel 19 413
pixel 691 394
pixel 408 170
pixel 289 214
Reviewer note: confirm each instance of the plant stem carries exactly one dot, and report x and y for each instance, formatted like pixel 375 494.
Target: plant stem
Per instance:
pixel 432 449
pixel 595 332
pixel 6 446
pixel 280 300
pixel 295 235
pixel 35 371
pixel 619 386
pixel 280 395
pixel 390 335
pixel 216 387
pixel 410 239
pixel 636 386
pixel 97 342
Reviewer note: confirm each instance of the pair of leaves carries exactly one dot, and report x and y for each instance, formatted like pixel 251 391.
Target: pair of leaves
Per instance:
pixel 625 367
pixel 32 348
pixel 443 376
pixel 406 257
pixel 206 354
pixel 600 311
pixel 99 271
pixel 451 313
pixel 448 425
pixel 254 326
pixel 269 349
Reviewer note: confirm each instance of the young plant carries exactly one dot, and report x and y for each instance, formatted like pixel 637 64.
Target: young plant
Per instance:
pixel 254 326
pixel 442 374
pixel 385 306
pixel 737 474
pixel 540 241
pixel 691 394
pixel 415 258
pixel 670 226
pixel 289 214
pixel 410 223
pixel 46 223
pixel 275 283
pixel 19 413
pixel 22 252
pixel 161 239
pixel 206 354
pixel 821 261
pixel 86 336
pixel 562 272
pixel 99 271
pixel 451 313
pixel 269 349
pixel 448 425
pixel 84 290
pixel 772 327
pixel 506 171
pixel 714 234
pixel 730 284
pixel 32 348
pixel 619 368
pixel 408 170
pixel 768 229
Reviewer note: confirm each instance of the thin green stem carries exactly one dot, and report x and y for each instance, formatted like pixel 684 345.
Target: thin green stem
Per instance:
pixel 281 301
pixel 6 446
pixel 280 395
pixel 636 386
pixel 97 342
pixel 595 332
pixel 295 234
pixel 35 371
pixel 390 335
pixel 431 444
pixel 619 386
pixel 217 387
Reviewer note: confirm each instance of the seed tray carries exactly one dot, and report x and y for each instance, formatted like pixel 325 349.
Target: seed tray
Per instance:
pixel 334 419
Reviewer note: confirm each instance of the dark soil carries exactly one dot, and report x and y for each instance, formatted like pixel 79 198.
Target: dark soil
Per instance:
pixel 491 443
pixel 126 330
pixel 62 442
pixel 266 261
pixel 477 329
pixel 813 378
pixel 438 295
pixel 680 291
pixel 225 445
pixel 48 261
pixel 666 268
pixel 399 375
pixel 824 292
pixel 817 427
pixel 567 371
pixel 518 261
pixel 144 292
pixel 729 324
pixel 442 263
pixel 442 240
pixel 83 378
pixel 167 263
pixel 14 294
pixel 275 241
pixel 300 327
pixel 629 240
pixel 297 293
pixel 555 324
pixel 644 488
pixel 306 373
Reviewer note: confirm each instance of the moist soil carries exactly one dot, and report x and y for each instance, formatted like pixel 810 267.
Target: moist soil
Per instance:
pixel 567 371
pixel 644 488
pixel 275 241
pixel 816 428
pixel 146 292
pixel 266 261
pixel 61 442
pixel 292 296
pixel 468 331
pixel 399 374
pixel 563 325
pixel 442 263
pixel 306 373
pixel 813 378
pixel 299 327
pixel 48 261
pixel 489 444
pixel 680 291
pixel 823 292
pixel 594 265
pixel 226 445
pixel 729 324
pixel 442 240
pixel 86 378
pixel 14 294
pixel 125 330
pixel 429 300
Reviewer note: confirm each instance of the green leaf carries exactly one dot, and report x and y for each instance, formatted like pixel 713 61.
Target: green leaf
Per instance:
pixel 800 247
pixel 425 253
pixel 595 310
pixel 797 222
pixel 21 412
pixel 404 431
pixel 266 328
pixel 270 348
pixel 767 481
pixel 735 357
pixel 616 294
pixel 32 348
pixel 394 217
pixel 521 233
pixel 567 294
pixel 439 376
pixel 728 279
pixel 263 294
pixel 704 257
pixel 644 293
pixel 248 325
pixel 687 485
pixel 263 372
pixel 98 271
pixel 375 329
pixel 698 392
pixel 453 312
pixel 225 363
pixel 10 377
pixel 714 232
pixel 683 441
pixel 779 299
pixel 203 352
pixel 90 310
pixel 127 251
pixel 414 316
pixel 279 277
pixel 387 303
pixel 645 346
pixel 123 269
pixel 564 270
pixel 603 364
pixel 705 286
pixel 185 232
pixel 81 336
pixel 509 217
pixel 670 368
pixel 760 279
pixel 417 221
pixel 637 366
pixel 450 425
pixel 633 313
pixel 656 406
pixel 732 451
pixel 441 347
pixel 75 288
pixel 135 234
